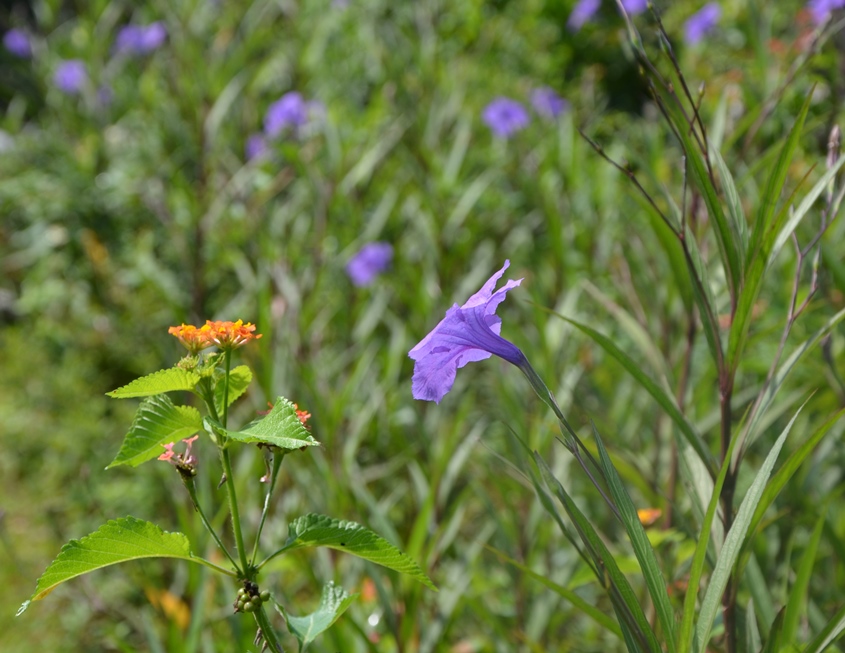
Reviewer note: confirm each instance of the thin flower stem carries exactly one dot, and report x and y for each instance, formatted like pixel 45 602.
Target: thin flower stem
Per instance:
pixel 274 475
pixel 188 481
pixel 227 473
pixel 267 632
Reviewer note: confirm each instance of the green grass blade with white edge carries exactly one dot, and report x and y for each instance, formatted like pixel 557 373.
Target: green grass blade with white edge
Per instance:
pixel 661 396
pixel 157 422
pixel 625 600
pixel 119 540
pixel 169 380
pixel 798 593
pixel 733 543
pixel 685 633
pixel 652 573
pixel 314 530
pixel 334 601
pixel 753 642
pixel 280 427
pixel 737 215
pixel 789 467
pixel 829 634
pixel 803 208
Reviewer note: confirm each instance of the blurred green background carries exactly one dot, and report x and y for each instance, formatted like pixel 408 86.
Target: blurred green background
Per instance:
pixel 130 206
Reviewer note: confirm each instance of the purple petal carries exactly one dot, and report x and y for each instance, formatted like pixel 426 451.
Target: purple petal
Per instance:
pixel 583 11
pixel 369 262
pixel 17 42
pixel 634 7
pixel 505 116
pixel 548 103
pixel 701 22
pixel 468 333
pixel 71 76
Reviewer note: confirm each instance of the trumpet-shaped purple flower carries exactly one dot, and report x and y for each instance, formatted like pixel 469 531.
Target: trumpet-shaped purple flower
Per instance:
pixel 583 11
pixel 548 103
pixel 701 22
pixel 17 42
pixel 468 333
pixel 71 76
pixel 821 9
pixel 505 116
pixel 140 39
pixel 369 262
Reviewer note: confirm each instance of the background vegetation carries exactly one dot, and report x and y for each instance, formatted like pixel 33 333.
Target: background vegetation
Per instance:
pixel 131 206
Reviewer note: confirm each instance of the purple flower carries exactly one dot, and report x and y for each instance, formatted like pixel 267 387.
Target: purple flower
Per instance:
pixel 17 42
pixel 821 9
pixel 701 22
pixel 369 262
pixel 290 110
pixel 548 103
pixel 140 39
pixel 505 116
pixel 256 146
pixel 70 76
pixel 584 10
pixel 468 333
pixel 634 7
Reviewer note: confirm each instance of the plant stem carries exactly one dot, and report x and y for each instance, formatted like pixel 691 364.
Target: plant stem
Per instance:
pixel 727 501
pixel 270 637
pixel 188 481
pixel 278 457
pixel 227 473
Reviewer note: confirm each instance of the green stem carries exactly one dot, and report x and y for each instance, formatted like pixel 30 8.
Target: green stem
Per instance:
pixel 227 473
pixel 188 482
pixel 270 637
pixel 274 475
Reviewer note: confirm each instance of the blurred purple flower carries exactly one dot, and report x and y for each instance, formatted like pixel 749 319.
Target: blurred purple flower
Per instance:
pixel 256 146
pixel 70 76
pixel 701 22
pixel 548 103
pixel 17 42
pixel 369 262
pixel 505 116
pixel 584 10
pixel 468 333
pixel 140 39
pixel 634 7
pixel 821 9
pixel 290 110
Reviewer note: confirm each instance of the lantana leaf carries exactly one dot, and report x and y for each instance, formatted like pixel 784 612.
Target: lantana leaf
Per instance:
pixel 333 603
pixel 239 380
pixel 280 427
pixel 119 540
pixel 169 380
pixel 156 422
pixel 320 530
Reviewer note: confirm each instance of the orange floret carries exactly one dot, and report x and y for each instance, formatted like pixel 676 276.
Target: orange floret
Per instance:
pixel 229 335
pixel 194 339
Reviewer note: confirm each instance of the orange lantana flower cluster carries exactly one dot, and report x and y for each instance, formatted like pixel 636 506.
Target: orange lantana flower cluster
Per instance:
pixel 226 335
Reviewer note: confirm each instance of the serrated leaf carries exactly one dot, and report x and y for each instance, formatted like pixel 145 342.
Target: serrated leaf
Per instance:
pixel 347 536
pixel 169 380
pixel 119 540
pixel 280 427
pixel 156 422
pixel 239 380
pixel 334 601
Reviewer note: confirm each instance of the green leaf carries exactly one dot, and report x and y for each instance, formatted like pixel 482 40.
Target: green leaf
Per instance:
pixel 333 603
pixel 737 215
pixel 752 632
pixel 347 536
pixel 642 547
pixel 660 395
pixel 280 427
pixel 119 540
pixel 733 543
pixel 829 634
pixel 773 641
pixel 169 380
pixel 798 593
pixel 156 422
pixel 569 595
pixel 625 601
pixel 239 380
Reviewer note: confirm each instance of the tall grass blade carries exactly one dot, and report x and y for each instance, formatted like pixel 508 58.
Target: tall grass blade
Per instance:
pixel 797 595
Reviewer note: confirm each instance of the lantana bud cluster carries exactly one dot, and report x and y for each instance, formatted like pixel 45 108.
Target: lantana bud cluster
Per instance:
pixel 250 598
